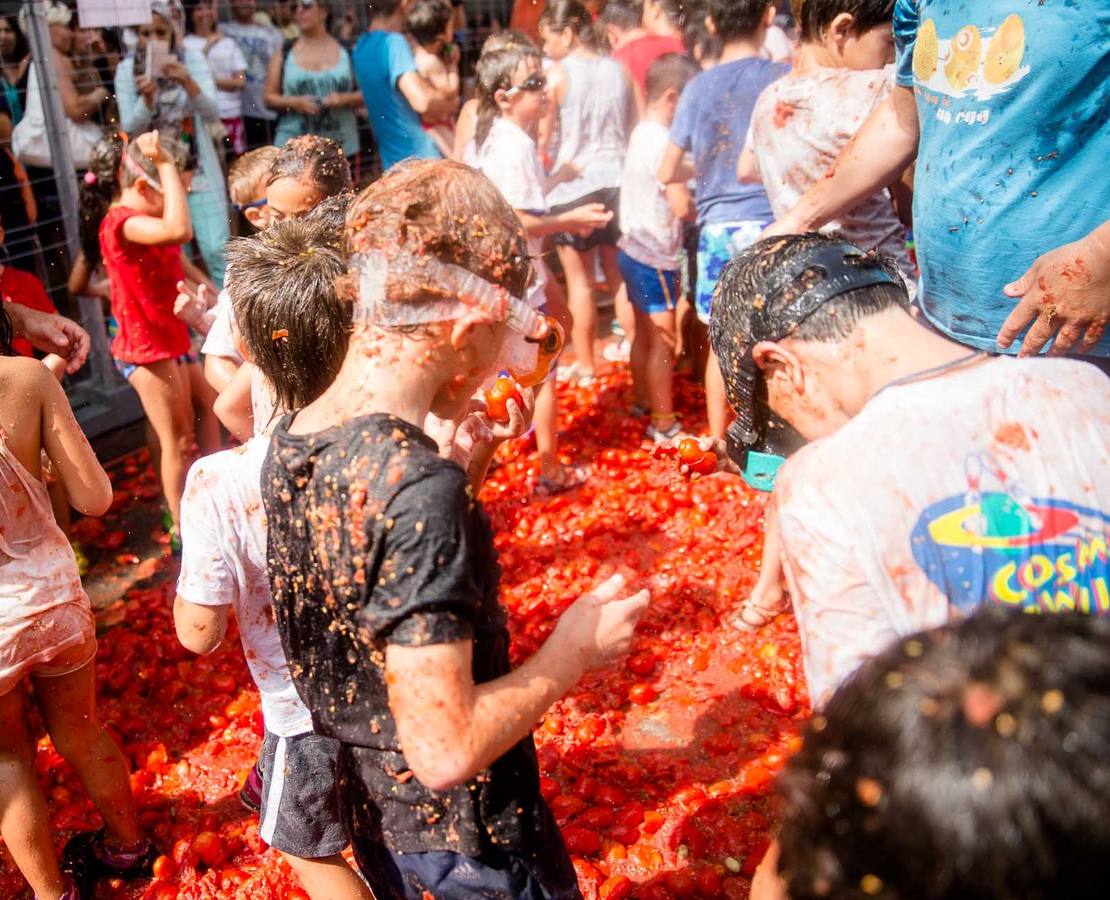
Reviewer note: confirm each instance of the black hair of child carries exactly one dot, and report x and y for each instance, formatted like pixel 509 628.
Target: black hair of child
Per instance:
pixel 759 271
pixel 817 15
pixel 968 761
pixel 427 20
pixel 7 333
pixel 737 18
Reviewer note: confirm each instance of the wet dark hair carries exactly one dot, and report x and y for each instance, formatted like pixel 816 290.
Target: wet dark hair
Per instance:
pixel 314 159
pixel 7 332
pixel 671 70
pixel 562 14
pixel 753 276
pixel 427 20
pixel 443 210
pixel 623 14
pixel 494 73
pixel 701 43
pixel 22 46
pixel 293 324
pixel 331 213
pixel 964 762
pixel 737 18
pixel 817 15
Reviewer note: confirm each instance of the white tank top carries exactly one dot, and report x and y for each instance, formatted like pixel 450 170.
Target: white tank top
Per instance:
pixel 593 127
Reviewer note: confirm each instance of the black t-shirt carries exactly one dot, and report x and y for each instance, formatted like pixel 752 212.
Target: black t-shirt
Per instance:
pixel 374 539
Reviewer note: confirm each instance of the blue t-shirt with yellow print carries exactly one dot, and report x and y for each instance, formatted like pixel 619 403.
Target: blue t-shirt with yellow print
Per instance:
pixel 1013 98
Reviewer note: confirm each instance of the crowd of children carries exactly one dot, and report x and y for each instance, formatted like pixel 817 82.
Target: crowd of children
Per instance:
pixel 347 345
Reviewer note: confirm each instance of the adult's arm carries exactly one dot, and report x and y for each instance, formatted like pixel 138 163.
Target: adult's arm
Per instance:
pixel 1066 295
pixel 451 729
pixel 51 333
pixel 86 484
pixel 134 114
pixel 201 86
pixel 425 100
pixel 235 82
pixel 880 151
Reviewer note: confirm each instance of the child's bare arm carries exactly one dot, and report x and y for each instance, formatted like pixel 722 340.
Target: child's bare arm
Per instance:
pixel 200 629
pixel 674 167
pixel 174 226
pixel 451 728
pixel 681 201
pixel 747 167
pixel 85 481
pixel 883 147
pixel 233 405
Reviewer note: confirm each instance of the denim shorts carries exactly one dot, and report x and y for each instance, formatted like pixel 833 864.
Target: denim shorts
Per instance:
pixel 718 243
pixel 651 290
pixel 127 369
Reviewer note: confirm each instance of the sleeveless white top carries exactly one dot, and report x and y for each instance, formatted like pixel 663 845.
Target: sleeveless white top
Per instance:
pixel 593 127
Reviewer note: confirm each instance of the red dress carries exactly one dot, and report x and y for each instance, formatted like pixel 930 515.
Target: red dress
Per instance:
pixel 144 286
pixel 25 289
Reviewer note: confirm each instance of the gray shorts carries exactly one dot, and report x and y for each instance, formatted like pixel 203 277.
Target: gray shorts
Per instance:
pixel 300 800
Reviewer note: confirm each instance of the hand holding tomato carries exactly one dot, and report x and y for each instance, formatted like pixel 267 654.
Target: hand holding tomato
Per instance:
pixel 598 627
pixel 498 397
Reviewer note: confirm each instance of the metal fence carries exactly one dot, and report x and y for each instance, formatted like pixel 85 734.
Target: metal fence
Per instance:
pixel 39 204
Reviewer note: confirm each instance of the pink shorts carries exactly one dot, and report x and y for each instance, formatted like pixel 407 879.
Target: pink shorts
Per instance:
pixel 33 646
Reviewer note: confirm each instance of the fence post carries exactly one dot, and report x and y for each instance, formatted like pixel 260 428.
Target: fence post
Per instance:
pixel 61 160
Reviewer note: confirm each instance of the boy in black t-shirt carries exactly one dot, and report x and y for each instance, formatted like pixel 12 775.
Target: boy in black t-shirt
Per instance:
pixel 382 564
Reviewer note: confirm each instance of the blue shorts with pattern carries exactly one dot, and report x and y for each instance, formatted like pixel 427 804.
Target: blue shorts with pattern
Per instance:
pixel 717 244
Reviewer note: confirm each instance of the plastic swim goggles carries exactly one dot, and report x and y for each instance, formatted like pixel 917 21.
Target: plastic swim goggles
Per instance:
pixel 442 292
pixel 759 441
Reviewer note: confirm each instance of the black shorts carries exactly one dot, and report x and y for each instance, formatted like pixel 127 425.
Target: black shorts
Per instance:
pixel 608 236
pixel 300 796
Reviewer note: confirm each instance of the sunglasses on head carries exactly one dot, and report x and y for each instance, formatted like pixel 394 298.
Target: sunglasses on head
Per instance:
pixel 306 4
pixel 531 84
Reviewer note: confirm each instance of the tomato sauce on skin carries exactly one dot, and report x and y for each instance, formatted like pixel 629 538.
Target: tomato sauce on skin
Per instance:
pixel 668 796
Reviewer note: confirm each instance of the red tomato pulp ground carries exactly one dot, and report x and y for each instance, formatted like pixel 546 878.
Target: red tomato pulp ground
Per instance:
pixel 659 770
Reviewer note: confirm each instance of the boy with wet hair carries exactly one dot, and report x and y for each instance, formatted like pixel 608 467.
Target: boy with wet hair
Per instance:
pixel 935 478
pixel 294 330
pixel 961 762
pixel 382 566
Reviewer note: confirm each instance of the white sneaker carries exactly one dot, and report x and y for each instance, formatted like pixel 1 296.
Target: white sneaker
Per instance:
pixel 658 437
pixel 621 352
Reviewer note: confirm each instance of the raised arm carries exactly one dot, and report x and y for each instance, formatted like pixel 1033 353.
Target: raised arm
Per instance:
pixel 134 112
pixel 876 156
pixel 173 227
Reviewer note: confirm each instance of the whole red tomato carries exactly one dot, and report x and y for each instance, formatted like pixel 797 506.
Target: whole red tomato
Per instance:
pixel 696 460
pixel 497 399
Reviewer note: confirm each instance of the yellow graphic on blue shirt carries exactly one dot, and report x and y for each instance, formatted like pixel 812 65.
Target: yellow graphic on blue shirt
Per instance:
pixel 995 544
pixel 977 62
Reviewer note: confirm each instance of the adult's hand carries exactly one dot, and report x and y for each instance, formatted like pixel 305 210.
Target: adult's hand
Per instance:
pixel 1066 295
pixel 306 106
pixel 51 333
pixel 148 90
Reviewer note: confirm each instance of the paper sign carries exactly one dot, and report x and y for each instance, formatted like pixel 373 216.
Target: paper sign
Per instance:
pixel 112 13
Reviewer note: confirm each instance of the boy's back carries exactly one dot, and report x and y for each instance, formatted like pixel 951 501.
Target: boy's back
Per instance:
pixel 380 59
pixel 712 121
pixel 799 126
pixel 223 562
pixel 375 540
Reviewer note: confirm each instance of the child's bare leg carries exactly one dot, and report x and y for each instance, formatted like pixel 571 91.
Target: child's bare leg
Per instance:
pixel 24 818
pixel 163 390
pixel 639 358
pixel 68 704
pixel 768 597
pixel 544 420
pixel 716 404
pixel 203 398
pixel 579 271
pixel 660 368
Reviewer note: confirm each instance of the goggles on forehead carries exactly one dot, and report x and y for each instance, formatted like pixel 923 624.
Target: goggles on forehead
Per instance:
pixel 453 292
pixel 254 204
pixel 758 441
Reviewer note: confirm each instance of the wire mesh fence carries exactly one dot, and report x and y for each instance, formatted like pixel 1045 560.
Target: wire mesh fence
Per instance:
pixel 64 85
